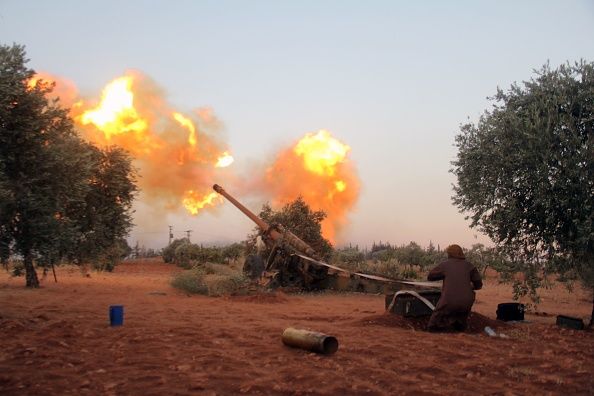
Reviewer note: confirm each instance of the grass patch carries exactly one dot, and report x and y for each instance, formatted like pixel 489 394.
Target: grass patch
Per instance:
pixel 210 280
pixel 190 281
pixel 219 269
pixel 219 285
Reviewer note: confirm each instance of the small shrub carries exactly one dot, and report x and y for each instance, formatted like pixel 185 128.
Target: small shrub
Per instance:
pixel 191 281
pixel 349 256
pixel 168 252
pixel 211 280
pixel 410 273
pixel 219 285
pixel 218 269
pixel 387 269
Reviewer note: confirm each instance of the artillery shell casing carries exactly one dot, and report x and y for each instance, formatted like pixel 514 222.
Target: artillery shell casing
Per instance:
pixel 310 340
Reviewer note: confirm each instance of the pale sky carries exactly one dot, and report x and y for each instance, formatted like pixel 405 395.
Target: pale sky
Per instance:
pixel 392 79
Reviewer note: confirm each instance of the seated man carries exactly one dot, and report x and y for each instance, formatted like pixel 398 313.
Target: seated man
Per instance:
pixel 460 279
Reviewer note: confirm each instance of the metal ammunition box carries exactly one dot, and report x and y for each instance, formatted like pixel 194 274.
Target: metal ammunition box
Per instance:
pixel 510 311
pixel 408 305
pixel 569 322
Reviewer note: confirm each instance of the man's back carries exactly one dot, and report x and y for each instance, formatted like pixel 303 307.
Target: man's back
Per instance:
pixel 460 279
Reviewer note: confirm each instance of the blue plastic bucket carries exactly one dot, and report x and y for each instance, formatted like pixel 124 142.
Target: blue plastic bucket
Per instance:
pixel 116 315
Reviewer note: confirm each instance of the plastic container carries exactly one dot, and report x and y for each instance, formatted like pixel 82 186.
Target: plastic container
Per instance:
pixel 116 315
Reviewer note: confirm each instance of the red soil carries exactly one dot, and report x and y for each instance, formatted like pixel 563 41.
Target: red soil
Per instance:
pixel 57 341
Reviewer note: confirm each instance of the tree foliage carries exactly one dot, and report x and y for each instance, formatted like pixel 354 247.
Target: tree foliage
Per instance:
pixel 189 255
pixel 168 252
pixel 104 217
pixel 301 220
pixel 525 173
pixel 58 193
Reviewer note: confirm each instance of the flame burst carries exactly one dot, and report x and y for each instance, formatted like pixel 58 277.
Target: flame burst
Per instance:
pixel 317 167
pixel 193 201
pixel 224 160
pixel 176 154
pixel 116 113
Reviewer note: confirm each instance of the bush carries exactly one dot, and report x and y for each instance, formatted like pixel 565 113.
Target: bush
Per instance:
pixel 210 280
pixel 185 254
pixel 191 281
pixel 410 273
pixel 168 253
pixel 387 269
pixel 111 257
pixel 219 269
pixel 349 256
pixel 219 285
pixel 233 252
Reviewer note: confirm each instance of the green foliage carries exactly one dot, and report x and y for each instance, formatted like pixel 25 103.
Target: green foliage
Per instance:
pixel 190 281
pixel 298 218
pixel 219 285
pixel 233 252
pixel 111 255
pixel 211 280
pixel 489 257
pixel 409 273
pixel 188 255
pixel 384 259
pixel 59 196
pixel 412 254
pixel 36 138
pixel 185 254
pixel 384 255
pixel 525 174
pixel 104 218
pixel 349 256
pixel 168 252
pixel 382 262
pixel 387 269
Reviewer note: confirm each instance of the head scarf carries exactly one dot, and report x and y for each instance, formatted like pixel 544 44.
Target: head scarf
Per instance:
pixel 455 251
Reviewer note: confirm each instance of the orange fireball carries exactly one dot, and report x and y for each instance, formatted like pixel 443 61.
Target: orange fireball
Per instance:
pixel 317 168
pixel 116 113
pixel 176 158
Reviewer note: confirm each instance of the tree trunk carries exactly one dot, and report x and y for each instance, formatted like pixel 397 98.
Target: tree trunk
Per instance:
pixel 592 316
pixel 54 271
pixel 30 273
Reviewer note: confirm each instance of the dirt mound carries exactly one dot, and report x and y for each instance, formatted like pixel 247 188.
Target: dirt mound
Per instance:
pixel 476 322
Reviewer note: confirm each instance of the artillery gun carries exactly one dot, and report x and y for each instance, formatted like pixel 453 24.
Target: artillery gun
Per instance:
pixel 286 265
pixel 292 263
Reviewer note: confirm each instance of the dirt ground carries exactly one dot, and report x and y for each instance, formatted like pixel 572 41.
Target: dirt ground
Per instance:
pixel 57 341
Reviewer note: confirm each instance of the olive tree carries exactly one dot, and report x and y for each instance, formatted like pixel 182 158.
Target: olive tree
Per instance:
pixel 59 195
pixel 36 140
pixel 301 220
pixel 525 173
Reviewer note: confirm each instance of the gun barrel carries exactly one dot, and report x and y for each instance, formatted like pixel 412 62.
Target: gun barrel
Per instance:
pixel 289 237
pixel 259 222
